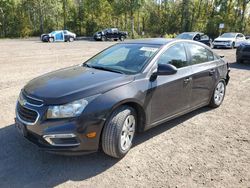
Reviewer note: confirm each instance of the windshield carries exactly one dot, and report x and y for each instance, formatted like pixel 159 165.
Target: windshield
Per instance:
pixel 185 36
pixel 123 58
pixel 53 32
pixel 228 35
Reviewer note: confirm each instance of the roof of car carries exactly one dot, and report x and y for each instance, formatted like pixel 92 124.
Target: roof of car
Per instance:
pixel 193 33
pixel 155 41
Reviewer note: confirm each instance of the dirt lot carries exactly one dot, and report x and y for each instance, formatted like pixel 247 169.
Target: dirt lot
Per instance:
pixel 206 148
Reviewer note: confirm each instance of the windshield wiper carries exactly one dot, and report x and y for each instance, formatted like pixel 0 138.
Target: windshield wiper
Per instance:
pixel 106 69
pixel 103 68
pixel 86 65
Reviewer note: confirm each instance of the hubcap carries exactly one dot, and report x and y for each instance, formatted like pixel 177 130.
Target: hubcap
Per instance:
pixel 219 93
pixel 128 131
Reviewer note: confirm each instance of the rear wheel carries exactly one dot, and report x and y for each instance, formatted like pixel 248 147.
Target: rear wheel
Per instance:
pixel 118 132
pixel 71 39
pixel 218 94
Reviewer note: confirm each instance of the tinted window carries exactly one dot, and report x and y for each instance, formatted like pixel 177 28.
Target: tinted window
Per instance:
pixel 197 37
pixel 199 54
pixel 174 55
pixel 240 36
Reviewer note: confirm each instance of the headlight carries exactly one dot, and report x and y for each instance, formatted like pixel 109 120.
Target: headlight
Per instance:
pixel 68 110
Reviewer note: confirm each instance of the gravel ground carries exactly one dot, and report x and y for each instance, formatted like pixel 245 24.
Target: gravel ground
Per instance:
pixel 205 148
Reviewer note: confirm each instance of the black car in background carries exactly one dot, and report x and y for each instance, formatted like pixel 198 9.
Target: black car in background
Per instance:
pixel 110 34
pixel 243 53
pixel 127 88
pixel 196 36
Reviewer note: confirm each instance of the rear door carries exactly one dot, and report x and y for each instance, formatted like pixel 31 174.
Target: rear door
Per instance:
pixel 171 93
pixel 204 69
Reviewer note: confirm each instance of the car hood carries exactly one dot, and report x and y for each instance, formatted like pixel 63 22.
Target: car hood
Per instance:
pixel 74 83
pixel 224 39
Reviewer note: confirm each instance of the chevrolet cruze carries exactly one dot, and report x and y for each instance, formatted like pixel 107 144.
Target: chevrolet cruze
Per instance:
pixel 125 89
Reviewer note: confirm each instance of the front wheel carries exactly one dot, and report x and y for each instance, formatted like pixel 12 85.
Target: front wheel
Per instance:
pixel 51 39
pixel 218 94
pixel 118 132
pixel 103 38
pixel 122 38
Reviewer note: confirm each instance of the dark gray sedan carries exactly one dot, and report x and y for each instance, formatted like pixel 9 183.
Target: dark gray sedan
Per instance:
pixel 127 88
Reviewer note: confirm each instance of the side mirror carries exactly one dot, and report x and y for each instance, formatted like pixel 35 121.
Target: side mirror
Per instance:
pixel 166 69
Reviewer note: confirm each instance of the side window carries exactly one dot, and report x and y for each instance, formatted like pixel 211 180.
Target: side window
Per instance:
pixel 210 55
pixel 199 54
pixel 197 37
pixel 204 37
pixel 174 55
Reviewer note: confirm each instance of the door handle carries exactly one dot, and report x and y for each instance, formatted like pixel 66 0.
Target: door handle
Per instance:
pixel 186 80
pixel 211 72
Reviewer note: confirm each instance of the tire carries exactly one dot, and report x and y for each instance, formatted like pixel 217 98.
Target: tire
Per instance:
pixel 122 38
pixel 71 39
pixel 51 39
pixel 116 137
pixel 103 38
pixel 218 94
pixel 214 47
pixel 233 45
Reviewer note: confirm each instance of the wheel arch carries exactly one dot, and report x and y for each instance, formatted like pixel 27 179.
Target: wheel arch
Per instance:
pixel 140 112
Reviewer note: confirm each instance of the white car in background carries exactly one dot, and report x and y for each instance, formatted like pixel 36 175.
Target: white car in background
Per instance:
pixel 229 40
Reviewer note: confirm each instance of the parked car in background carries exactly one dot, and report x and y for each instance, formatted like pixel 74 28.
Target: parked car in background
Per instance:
pixel 196 36
pixel 110 34
pixel 243 52
pixel 229 40
pixel 127 88
pixel 59 36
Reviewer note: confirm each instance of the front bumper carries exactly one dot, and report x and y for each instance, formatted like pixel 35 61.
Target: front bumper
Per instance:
pixel 64 136
pixel 222 45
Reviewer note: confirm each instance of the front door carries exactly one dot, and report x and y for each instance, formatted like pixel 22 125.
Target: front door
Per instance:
pixel 171 93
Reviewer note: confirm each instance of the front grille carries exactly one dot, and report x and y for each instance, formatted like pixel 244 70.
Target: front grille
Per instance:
pixel 27 115
pixel 31 100
pixel 221 42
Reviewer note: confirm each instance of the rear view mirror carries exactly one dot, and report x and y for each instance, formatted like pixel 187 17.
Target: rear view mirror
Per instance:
pixel 166 69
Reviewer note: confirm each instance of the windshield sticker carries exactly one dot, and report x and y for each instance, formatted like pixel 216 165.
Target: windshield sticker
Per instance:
pixel 148 49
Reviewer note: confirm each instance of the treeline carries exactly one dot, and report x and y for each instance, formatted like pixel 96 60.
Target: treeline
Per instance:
pixel 22 18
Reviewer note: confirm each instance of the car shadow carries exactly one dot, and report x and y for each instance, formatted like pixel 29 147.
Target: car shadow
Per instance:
pixel 245 65
pixel 23 164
